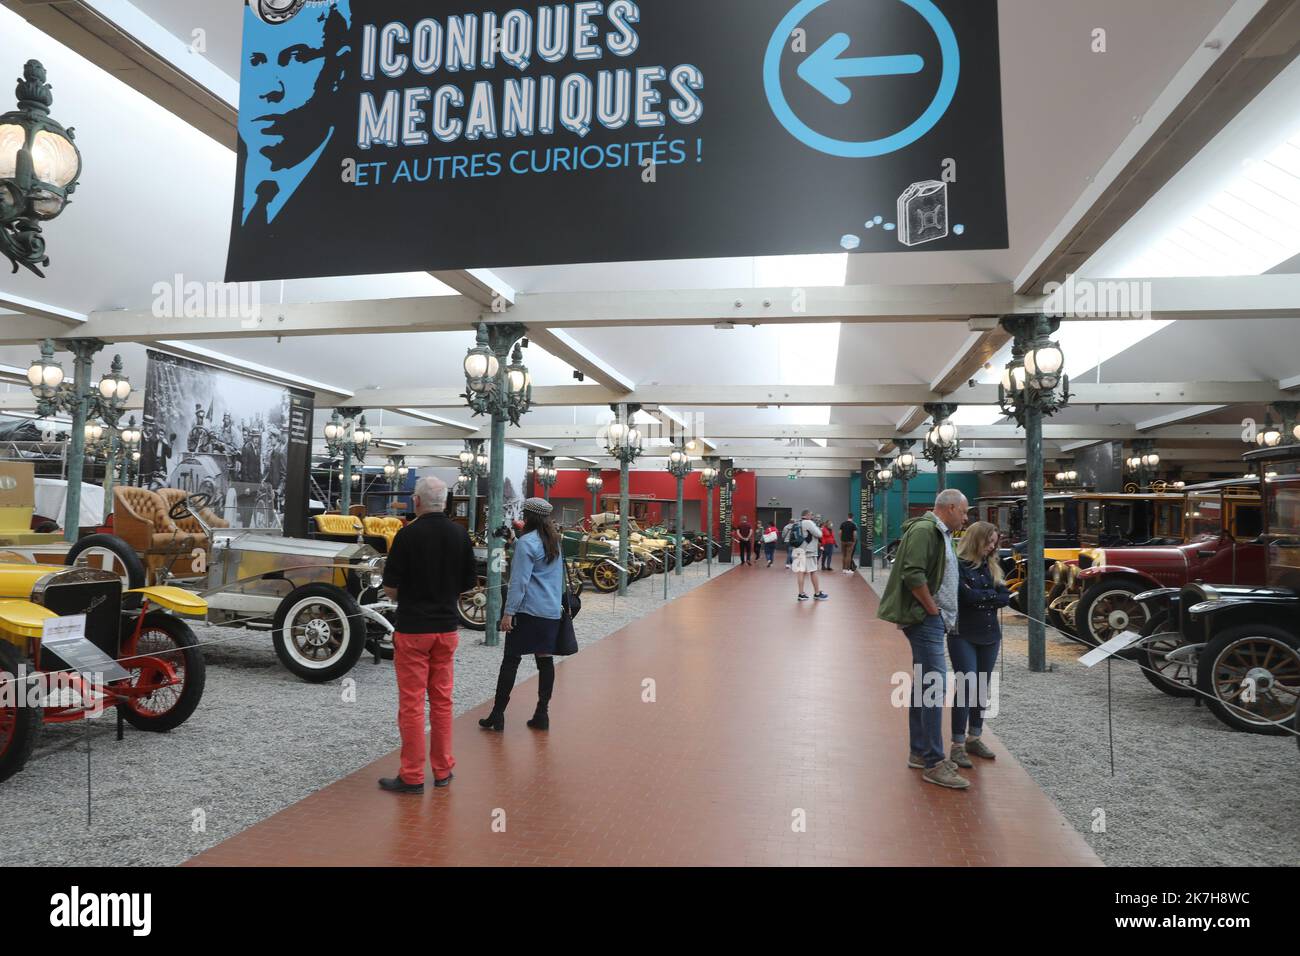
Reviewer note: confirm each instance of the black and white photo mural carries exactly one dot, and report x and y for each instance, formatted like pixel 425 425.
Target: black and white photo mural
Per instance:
pixel 229 437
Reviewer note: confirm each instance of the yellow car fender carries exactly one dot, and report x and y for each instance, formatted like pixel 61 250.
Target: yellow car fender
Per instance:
pixel 174 599
pixel 20 620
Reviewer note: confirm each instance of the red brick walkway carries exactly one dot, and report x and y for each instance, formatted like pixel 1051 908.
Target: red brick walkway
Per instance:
pixel 766 712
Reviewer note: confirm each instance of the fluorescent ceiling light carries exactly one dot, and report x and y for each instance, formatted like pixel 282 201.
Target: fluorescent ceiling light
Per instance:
pixel 437 419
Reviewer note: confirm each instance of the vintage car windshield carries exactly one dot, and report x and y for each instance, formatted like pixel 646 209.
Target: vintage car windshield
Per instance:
pixel 1108 518
pixel 1054 517
pixel 1284 510
pixel 1204 515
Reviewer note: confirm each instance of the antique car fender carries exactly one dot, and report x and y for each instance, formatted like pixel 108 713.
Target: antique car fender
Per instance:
pixel 174 599
pixel 1276 606
pixel 1090 575
pixel 22 619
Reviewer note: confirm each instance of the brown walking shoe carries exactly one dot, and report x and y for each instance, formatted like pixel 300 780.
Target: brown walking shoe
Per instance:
pixel 915 762
pixel 978 748
pixel 945 775
pixel 958 756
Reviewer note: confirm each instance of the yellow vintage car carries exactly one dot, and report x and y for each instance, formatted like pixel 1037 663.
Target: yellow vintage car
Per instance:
pixel 133 653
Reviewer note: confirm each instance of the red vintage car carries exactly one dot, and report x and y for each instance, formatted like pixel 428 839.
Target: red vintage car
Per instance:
pixel 1222 524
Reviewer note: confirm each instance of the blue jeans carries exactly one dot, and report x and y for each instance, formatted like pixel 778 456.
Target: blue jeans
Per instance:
pixel 972 665
pixel 925 713
pixel 771 550
pixel 789 555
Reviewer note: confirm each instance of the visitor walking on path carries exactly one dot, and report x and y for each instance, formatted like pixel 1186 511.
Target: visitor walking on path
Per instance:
pixel 430 564
pixel 806 560
pixel 828 545
pixel 848 542
pixel 921 598
pixel 973 649
pixel 770 536
pixel 532 615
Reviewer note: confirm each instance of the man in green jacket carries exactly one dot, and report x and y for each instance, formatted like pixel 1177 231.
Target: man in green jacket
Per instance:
pixel 921 598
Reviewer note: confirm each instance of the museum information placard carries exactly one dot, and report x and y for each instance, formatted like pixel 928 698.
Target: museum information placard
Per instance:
pixel 380 136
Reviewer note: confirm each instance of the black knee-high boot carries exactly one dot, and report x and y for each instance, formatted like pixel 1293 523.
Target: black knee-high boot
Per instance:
pixel 545 685
pixel 505 684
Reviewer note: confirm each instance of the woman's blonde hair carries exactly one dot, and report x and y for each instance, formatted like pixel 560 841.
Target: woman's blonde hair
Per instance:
pixel 971 549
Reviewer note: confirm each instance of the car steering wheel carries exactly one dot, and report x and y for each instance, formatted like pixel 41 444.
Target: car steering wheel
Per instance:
pixel 189 505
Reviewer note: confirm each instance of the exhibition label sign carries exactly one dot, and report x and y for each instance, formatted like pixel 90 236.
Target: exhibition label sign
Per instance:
pixel 382 136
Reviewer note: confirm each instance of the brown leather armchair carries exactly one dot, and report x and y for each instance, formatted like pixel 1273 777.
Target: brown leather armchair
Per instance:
pixel 140 519
pixel 189 523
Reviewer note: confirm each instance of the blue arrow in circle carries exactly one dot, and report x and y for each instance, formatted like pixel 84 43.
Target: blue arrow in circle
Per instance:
pixel 825 72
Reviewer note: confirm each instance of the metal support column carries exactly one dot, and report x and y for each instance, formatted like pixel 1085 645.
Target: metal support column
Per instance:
pixel 624 503
pixel 680 517
pixel 1035 519
pixel 83 352
pixel 345 493
pixel 496 556
pixel 472 516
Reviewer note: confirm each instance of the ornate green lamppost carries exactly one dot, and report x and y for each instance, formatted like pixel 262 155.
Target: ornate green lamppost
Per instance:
pixel 347 436
pixel 711 477
pixel 1033 386
pixel 474 465
pixel 679 466
pixel 904 469
pixel 77 397
pixel 595 485
pixel 1143 463
pixel 942 443
pixel 546 475
pixel 623 442
pixel 39 168
pixel 120 444
pixel 882 481
pixel 504 392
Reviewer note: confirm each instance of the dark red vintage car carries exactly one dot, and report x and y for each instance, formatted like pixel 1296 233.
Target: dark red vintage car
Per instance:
pixel 1222 524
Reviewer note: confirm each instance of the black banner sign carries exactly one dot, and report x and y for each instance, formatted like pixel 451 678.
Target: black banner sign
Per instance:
pixel 382 136
pixel 727 467
pixel 867 514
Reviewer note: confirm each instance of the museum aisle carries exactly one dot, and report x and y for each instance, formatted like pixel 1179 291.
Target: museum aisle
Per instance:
pixel 702 734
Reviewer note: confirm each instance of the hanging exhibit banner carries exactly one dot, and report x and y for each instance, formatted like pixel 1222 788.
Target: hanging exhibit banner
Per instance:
pixel 243 442
pixel 727 467
pixel 381 136
pixel 867 514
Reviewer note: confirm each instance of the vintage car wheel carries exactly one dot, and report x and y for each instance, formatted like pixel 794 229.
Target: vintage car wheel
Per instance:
pixel 1108 609
pixel 166 638
pixel 1270 657
pixel 1169 677
pixel 19 726
pixel 604 577
pixel 378 641
pixel 319 632
pixel 108 552
pixel 471 608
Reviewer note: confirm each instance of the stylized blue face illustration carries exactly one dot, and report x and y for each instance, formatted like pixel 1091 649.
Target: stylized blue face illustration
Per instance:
pixel 290 71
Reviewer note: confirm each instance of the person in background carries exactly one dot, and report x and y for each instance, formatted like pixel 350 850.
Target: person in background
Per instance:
pixel 921 599
pixel 806 556
pixel 973 648
pixel 848 541
pixel 744 537
pixel 532 613
pixel 828 544
pixel 430 564
pixel 770 537
pixel 788 539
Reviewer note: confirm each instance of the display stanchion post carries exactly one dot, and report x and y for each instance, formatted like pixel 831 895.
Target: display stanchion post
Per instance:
pixel 496 552
pixel 624 503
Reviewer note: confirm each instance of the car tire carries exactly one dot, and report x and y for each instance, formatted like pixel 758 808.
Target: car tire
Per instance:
pixel 185 651
pixel 471 607
pixel 1123 614
pixel 604 577
pixel 337 626
pixel 102 551
pixel 20 727
pixel 375 634
pixel 1154 667
pixel 1224 658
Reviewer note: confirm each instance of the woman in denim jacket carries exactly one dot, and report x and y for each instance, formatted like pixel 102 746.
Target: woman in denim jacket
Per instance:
pixel 973 647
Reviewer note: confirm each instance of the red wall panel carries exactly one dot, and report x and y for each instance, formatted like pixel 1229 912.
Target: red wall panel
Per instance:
pixel 660 484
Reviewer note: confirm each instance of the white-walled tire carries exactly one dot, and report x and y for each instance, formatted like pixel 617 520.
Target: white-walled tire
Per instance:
pixel 319 632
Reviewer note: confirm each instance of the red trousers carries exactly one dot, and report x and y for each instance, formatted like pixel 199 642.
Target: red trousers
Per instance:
pixel 424 666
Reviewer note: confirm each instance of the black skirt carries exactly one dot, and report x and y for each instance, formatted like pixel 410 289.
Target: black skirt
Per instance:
pixel 532 635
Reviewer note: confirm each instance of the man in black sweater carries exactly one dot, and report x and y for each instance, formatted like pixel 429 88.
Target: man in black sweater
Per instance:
pixel 430 564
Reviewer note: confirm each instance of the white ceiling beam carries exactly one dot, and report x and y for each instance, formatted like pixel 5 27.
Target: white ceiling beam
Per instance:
pixel 59 319
pixel 1236 297
pixel 118 38
pixel 1174 418
pixel 576 355
pixel 481 286
pixel 1253 43
pixel 219 359
pixel 1147 393
pixel 1289 384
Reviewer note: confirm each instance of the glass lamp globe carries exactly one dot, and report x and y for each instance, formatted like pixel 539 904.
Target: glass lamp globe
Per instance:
pixel 517 380
pixel 676 457
pixel 466 458
pixel 44 377
pixel 1013 378
pixel 616 432
pixel 334 429
pixel 1151 460
pixel 886 476
pixel 390 470
pixel 1043 366
pixel 482 462
pixel 906 460
pixel 634 438
pixel 1269 437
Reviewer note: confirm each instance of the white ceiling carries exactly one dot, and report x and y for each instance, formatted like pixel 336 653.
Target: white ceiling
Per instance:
pixel 155 200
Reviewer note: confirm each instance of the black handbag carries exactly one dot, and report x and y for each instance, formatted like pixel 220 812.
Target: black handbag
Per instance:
pixel 566 639
pixel 570 602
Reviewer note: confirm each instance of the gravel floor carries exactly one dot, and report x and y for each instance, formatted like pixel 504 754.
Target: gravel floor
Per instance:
pixel 1187 790
pixel 260 740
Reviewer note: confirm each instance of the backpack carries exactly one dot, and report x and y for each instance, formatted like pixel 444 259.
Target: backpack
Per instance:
pixel 795 538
